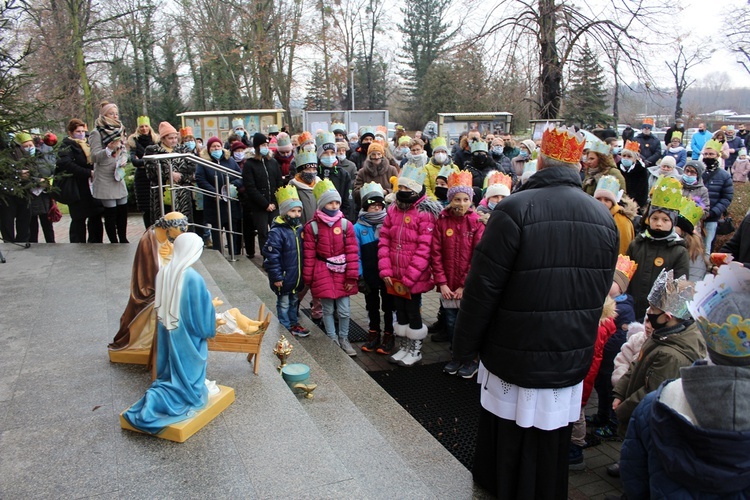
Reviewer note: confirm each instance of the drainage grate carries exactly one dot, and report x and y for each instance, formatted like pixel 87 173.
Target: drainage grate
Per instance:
pixel 356 332
pixel 446 405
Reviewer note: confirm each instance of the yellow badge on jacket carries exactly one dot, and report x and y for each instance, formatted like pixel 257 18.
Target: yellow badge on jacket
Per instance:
pixel 658 262
pixel 407 219
pixel 449 232
pixel 336 230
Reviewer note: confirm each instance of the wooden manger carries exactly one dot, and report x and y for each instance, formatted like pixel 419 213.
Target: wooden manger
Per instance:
pixel 237 342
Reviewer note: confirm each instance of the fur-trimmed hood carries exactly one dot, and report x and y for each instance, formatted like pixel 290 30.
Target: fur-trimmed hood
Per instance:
pixel 628 207
pixel 609 311
pixel 206 156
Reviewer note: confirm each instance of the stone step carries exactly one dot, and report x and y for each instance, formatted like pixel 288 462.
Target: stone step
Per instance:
pixel 375 436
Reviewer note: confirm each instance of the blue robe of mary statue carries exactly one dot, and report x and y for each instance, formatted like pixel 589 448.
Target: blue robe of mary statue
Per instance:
pixel 179 389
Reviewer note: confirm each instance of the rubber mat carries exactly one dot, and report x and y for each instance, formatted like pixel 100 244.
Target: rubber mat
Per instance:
pixel 356 332
pixel 447 406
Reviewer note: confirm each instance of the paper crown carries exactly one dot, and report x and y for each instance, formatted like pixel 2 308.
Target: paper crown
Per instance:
pixel 478 146
pixel 498 178
pixel 325 138
pixel 626 266
pixel 720 307
pixel 691 211
pixel 562 144
pixel 713 144
pixel 404 139
pixel 445 171
pixel 288 192
pixel 672 295
pixel 366 130
pixel 676 135
pixel 306 158
pixel 462 178
pixel 338 127
pixel 371 189
pixel 611 184
pixel 439 142
pixel 237 123
pixel 323 186
pixel 648 121
pixel 144 120
pixel 667 193
pixel 186 131
pixel 382 131
pixel 273 129
pixel 598 146
pixel 412 177
pixel 633 146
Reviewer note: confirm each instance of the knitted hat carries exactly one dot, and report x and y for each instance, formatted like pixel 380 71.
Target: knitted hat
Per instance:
pixel 211 141
pixel 697 165
pixel 50 139
pixel 372 192
pixel 668 161
pixel 287 198
pixel 327 142
pixel 186 131
pixel 166 128
pixel 375 147
pixel 305 138
pixel 439 144
pixel 460 182
pixel 496 190
pixel 342 144
pixel 530 145
pixel 325 192
pixel 648 123
pixel 237 123
pixel 237 145
pixel 742 152
pixel 22 137
pixel 144 120
pixel 284 142
pixel 497 184
pixel 259 139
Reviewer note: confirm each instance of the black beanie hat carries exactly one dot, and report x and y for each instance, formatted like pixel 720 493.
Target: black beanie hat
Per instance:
pixel 259 139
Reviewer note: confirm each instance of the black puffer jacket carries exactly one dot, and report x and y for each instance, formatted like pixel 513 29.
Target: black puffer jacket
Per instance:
pixel 261 177
pixel 538 278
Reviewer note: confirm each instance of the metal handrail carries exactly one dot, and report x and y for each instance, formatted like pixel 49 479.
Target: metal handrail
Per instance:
pixel 228 173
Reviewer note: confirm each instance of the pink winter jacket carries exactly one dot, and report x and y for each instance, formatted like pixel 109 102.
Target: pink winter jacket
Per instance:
pixel 404 247
pixel 323 254
pixel 452 247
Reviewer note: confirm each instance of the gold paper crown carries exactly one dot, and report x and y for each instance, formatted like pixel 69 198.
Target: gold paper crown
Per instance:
pixel 667 194
pixel 691 211
pixel 713 144
pixel 720 309
pixel 323 186
pixel 562 144
pixel 462 178
pixel 438 142
pixel 498 178
pixel 676 135
pixel 626 266
pixel 144 120
pixel 633 146
pixel 672 295
pixel 288 192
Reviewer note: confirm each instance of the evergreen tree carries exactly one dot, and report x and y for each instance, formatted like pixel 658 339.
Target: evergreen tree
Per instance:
pixel 316 93
pixel 586 100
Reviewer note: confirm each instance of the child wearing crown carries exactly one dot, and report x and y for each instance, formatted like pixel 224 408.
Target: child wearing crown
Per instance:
pixel 404 258
pixel 659 247
pixel 282 259
pixel 701 418
pixel 675 343
pixel 622 208
pixel 497 186
pixel 688 221
pixel 367 230
pixel 331 265
pixel 457 232
pixel 635 173
pixel 440 163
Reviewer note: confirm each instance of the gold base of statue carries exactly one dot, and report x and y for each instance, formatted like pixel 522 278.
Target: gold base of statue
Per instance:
pixel 181 431
pixel 130 356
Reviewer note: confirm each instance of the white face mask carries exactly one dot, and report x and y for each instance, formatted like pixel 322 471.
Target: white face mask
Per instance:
pixel 441 158
pixel 309 147
pixel 341 157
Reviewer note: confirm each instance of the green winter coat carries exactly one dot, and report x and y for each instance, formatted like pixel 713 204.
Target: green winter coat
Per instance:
pixel 662 356
pixel 652 256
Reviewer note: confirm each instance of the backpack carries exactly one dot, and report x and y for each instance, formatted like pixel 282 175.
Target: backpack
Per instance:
pixel 344 224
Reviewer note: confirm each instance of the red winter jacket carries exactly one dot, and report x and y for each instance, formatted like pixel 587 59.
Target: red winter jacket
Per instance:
pixel 404 247
pixel 325 283
pixel 606 329
pixel 453 243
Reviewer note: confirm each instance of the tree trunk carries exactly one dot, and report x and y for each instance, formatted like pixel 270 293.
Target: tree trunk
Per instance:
pixel 80 61
pixel 551 78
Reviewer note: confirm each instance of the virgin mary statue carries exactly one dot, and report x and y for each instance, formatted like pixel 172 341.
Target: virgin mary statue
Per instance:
pixel 186 319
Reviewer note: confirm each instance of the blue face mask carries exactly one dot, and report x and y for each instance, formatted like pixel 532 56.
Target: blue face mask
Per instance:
pixel 190 145
pixel 626 162
pixel 239 155
pixel 327 161
pixel 31 150
pixel 689 179
pixel 240 133
pixel 263 151
pixel 523 154
pixel 216 154
pixel 616 151
pixel 491 205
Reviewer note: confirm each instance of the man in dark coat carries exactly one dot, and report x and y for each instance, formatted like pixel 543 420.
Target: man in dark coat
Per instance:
pixel 650 146
pixel 261 178
pixel 679 126
pixel 531 336
pixel 720 190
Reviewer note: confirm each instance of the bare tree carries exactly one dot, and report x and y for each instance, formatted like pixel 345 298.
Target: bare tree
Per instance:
pixel 685 60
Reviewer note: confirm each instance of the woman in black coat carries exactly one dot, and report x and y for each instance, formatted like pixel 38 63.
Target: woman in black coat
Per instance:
pixel 74 158
pixel 137 144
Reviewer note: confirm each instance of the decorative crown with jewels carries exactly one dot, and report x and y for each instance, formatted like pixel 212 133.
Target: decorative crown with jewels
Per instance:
pixel 633 146
pixel 288 192
pixel 562 144
pixel 667 193
pixel 412 177
pixel 626 266
pixel 462 178
pixel 691 211
pixel 498 178
pixel 598 146
pixel 371 189
pixel 323 186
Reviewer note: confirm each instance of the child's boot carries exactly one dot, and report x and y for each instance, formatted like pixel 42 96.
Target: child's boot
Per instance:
pixel 346 346
pixel 387 345
pixel 414 355
pixel 400 332
pixel 373 341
